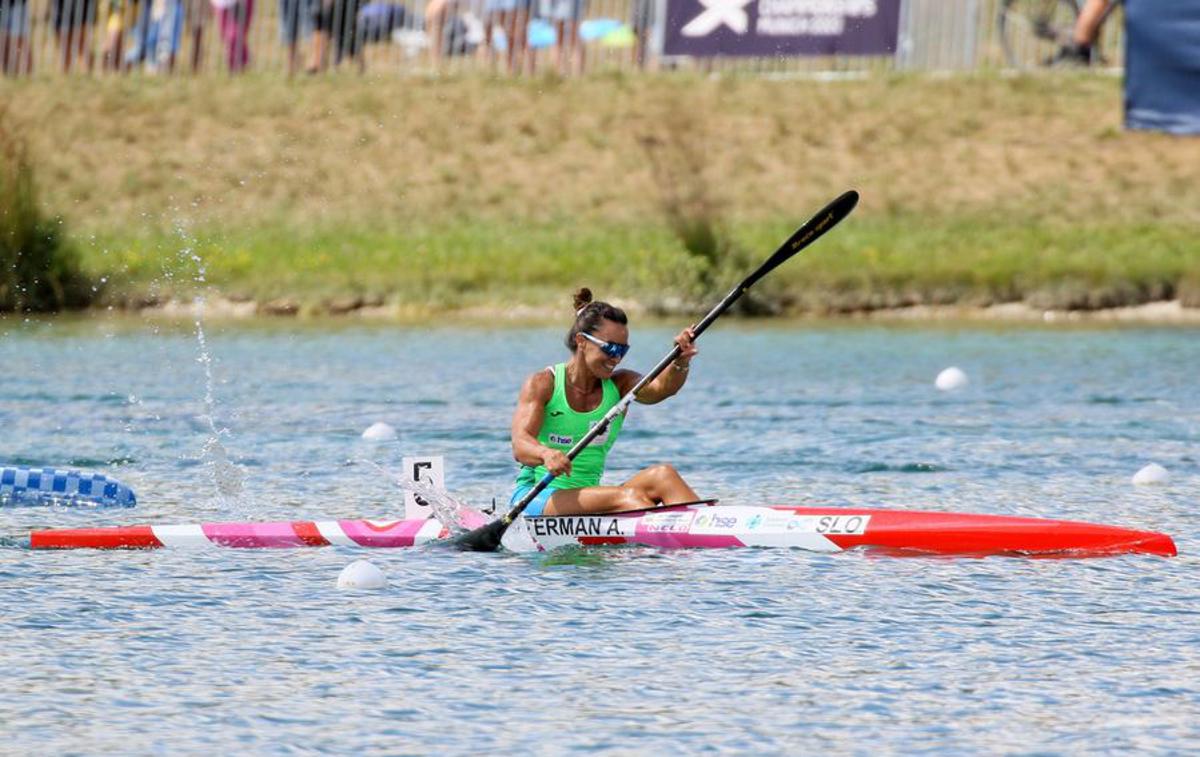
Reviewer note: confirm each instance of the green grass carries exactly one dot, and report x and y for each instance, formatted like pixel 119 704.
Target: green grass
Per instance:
pixel 868 263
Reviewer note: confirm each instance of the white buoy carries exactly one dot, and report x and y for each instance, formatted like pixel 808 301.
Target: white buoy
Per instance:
pixel 951 379
pixel 1151 475
pixel 379 432
pixel 361 574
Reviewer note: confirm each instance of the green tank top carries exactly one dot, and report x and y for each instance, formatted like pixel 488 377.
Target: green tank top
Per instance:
pixel 562 427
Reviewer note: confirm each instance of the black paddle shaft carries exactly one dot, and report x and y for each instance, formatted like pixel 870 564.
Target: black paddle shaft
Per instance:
pixel 487 538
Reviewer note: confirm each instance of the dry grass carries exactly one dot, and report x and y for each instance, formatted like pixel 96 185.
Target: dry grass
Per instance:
pixel 134 151
pixel 259 157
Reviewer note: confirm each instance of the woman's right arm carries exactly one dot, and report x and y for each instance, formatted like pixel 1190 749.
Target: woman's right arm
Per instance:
pixel 527 422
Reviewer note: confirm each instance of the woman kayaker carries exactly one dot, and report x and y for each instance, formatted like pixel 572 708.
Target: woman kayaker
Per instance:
pixel 559 405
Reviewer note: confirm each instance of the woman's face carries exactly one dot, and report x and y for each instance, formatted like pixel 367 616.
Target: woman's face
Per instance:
pixel 600 364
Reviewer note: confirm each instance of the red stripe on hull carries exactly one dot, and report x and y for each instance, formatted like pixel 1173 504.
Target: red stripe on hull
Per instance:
pixel 918 532
pixel 308 533
pixel 601 541
pixel 125 537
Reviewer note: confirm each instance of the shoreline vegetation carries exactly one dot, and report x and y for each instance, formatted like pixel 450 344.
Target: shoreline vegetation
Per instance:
pixel 220 308
pixel 984 196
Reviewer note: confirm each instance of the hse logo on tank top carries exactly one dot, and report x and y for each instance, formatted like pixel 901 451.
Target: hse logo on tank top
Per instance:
pixel 568 441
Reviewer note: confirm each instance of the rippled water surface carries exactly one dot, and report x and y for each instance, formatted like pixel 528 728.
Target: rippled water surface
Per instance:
pixel 760 651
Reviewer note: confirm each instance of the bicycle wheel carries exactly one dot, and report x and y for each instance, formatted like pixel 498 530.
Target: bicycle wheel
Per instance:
pixel 1032 31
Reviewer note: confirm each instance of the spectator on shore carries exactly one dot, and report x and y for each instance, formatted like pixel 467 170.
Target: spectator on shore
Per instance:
pixel 165 34
pixel 1087 30
pixel 512 16
pixel 120 15
pixel 642 22
pixel 336 23
pixel 565 16
pixel 436 14
pixel 157 35
pixel 451 29
pixel 195 18
pixel 378 23
pixel 446 28
pixel 16 56
pixel 74 22
pixel 233 24
pixel 295 24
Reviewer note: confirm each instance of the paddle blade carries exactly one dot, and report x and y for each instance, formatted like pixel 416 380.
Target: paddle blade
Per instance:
pixel 828 217
pixel 483 539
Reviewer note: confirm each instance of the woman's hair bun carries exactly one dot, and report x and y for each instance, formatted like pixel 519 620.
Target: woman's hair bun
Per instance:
pixel 583 297
pixel 589 315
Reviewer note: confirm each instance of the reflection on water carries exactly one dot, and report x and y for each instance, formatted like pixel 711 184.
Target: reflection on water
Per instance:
pixel 630 650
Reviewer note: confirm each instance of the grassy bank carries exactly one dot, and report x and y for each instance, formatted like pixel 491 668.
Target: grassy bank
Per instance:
pixel 472 191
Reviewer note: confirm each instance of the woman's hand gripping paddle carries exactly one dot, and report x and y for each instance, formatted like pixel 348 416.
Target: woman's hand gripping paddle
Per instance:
pixel 487 538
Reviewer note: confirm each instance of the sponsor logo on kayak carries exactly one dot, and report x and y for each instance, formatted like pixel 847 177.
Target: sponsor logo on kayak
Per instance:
pixel 777 522
pixel 712 520
pixel 573 527
pixel 754 522
pixel 674 523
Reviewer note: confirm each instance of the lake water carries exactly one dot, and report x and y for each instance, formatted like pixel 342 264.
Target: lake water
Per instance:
pixel 758 651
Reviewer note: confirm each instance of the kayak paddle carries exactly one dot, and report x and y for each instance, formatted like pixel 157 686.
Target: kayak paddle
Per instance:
pixel 487 538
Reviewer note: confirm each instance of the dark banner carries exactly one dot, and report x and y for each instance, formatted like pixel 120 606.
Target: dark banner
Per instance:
pixel 1162 65
pixel 764 28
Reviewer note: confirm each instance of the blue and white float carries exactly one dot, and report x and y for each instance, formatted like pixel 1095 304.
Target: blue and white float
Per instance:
pixel 22 486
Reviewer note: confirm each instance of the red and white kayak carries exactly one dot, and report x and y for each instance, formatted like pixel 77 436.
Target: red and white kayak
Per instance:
pixel 820 529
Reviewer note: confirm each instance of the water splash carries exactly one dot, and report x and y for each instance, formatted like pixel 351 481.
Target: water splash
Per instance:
pixel 519 539
pixel 451 512
pixel 458 516
pixel 227 478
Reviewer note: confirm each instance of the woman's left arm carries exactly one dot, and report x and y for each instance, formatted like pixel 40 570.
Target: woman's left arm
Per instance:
pixel 670 381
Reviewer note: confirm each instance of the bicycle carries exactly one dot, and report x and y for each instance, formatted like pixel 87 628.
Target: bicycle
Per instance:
pixel 1034 32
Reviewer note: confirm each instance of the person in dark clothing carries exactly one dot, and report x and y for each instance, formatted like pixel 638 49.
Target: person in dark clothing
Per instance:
pixel 1087 30
pixel 74 22
pixel 335 22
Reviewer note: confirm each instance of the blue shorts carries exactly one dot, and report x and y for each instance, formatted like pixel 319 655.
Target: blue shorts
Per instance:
pixel 507 6
pixel 538 504
pixel 562 10
pixel 295 20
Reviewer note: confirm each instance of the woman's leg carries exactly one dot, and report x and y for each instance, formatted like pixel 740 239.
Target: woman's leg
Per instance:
pixel 576 47
pixel 435 28
pixel 508 22
pixel 662 483
pixel 648 487
pixel 595 500
pixel 1091 18
pixel 520 61
pixel 559 46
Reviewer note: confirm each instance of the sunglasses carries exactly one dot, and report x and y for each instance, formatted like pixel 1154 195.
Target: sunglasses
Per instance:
pixel 614 350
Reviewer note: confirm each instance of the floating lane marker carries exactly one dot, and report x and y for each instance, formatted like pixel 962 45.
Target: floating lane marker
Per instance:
pixel 951 380
pixel 361 574
pixel 191 535
pixel 22 486
pixel 1151 475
